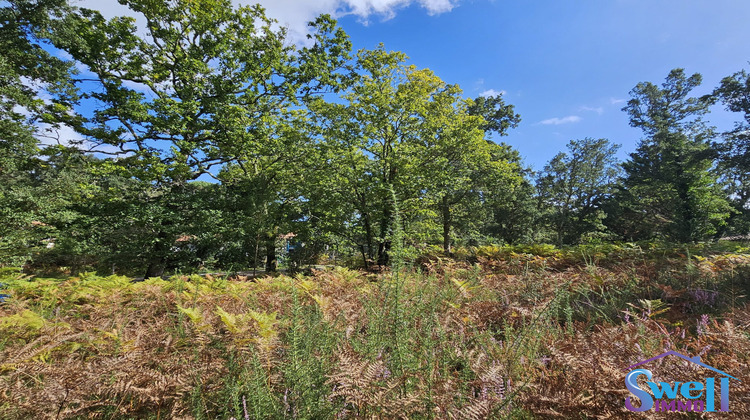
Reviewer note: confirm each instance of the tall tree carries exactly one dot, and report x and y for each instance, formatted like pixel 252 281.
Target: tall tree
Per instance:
pixel 28 73
pixel 499 117
pixel 36 91
pixel 574 185
pixel 404 130
pixel 206 85
pixel 734 152
pixel 465 170
pixel 369 139
pixel 514 212
pixel 668 189
pixel 209 85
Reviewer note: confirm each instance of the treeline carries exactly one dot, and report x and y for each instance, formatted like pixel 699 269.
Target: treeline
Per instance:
pixel 207 137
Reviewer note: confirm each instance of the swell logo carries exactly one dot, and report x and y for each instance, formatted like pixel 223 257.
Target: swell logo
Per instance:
pixel 698 396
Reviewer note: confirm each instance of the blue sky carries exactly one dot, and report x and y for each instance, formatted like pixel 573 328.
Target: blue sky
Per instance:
pixel 566 65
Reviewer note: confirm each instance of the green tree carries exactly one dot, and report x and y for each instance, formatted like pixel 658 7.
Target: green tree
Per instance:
pixel 498 116
pixel 463 170
pixel 401 130
pixel 734 152
pixel 469 175
pixel 370 141
pixel 209 82
pixel 267 186
pixel 28 71
pixel 210 86
pixel 514 212
pixel 35 202
pixel 574 185
pixel 669 189
pixel 117 223
pixel 35 88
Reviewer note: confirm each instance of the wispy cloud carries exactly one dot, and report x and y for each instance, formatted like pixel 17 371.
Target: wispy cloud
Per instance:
pixel 65 135
pixel 616 101
pixel 492 92
pixel 294 14
pixel 598 110
pixel 564 120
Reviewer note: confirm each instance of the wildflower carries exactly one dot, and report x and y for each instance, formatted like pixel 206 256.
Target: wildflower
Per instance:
pixel 702 327
pixel 704 297
pixel 384 373
pixel 626 317
pixel 704 350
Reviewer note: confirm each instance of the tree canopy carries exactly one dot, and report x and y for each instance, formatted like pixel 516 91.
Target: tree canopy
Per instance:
pixel 206 138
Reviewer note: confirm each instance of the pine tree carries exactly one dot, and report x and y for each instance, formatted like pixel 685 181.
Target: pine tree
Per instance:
pixel 669 189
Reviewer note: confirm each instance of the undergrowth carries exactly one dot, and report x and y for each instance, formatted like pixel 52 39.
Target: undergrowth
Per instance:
pixel 502 333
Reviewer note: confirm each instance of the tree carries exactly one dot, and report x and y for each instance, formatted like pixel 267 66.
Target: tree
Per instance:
pixel 210 85
pixel 574 185
pixel 35 87
pixel 207 84
pixel 465 171
pixel 370 139
pixel 734 152
pixel 474 174
pixel 28 72
pixel 401 132
pixel 514 212
pixel 668 189
pixel 498 116
pixel 267 186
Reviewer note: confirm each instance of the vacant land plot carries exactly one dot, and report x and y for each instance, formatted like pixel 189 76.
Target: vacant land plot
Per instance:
pixel 495 332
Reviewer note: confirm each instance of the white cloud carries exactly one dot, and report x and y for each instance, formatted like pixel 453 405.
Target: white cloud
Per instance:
pixel 294 14
pixel 65 135
pixel 598 110
pixel 564 120
pixel 492 92
pixel 615 101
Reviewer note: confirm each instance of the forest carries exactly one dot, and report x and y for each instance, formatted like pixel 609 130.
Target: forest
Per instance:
pixel 200 145
pixel 168 191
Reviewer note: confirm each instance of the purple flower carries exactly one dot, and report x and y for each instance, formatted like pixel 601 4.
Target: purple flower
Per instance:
pixel 702 327
pixel 704 297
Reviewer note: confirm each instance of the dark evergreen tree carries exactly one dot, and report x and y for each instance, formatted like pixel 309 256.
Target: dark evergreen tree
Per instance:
pixel 734 151
pixel 669 189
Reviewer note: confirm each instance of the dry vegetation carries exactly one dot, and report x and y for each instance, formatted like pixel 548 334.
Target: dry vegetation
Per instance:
pixel 495 332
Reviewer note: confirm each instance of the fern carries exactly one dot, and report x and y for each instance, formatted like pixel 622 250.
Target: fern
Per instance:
pixel 195 314
pixel 229 320
pixel 25 324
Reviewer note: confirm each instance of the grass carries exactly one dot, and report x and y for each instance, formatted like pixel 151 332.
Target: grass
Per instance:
pixel 498 332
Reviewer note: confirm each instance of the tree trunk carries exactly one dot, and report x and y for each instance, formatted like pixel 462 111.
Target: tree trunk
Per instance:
pixel 270 253
pixel 446 213
pixel 365 258
pixel 255 258
pixel 385 243
pixel 368 237
pixel 155 268
pixel 383 249
pixel 157 262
